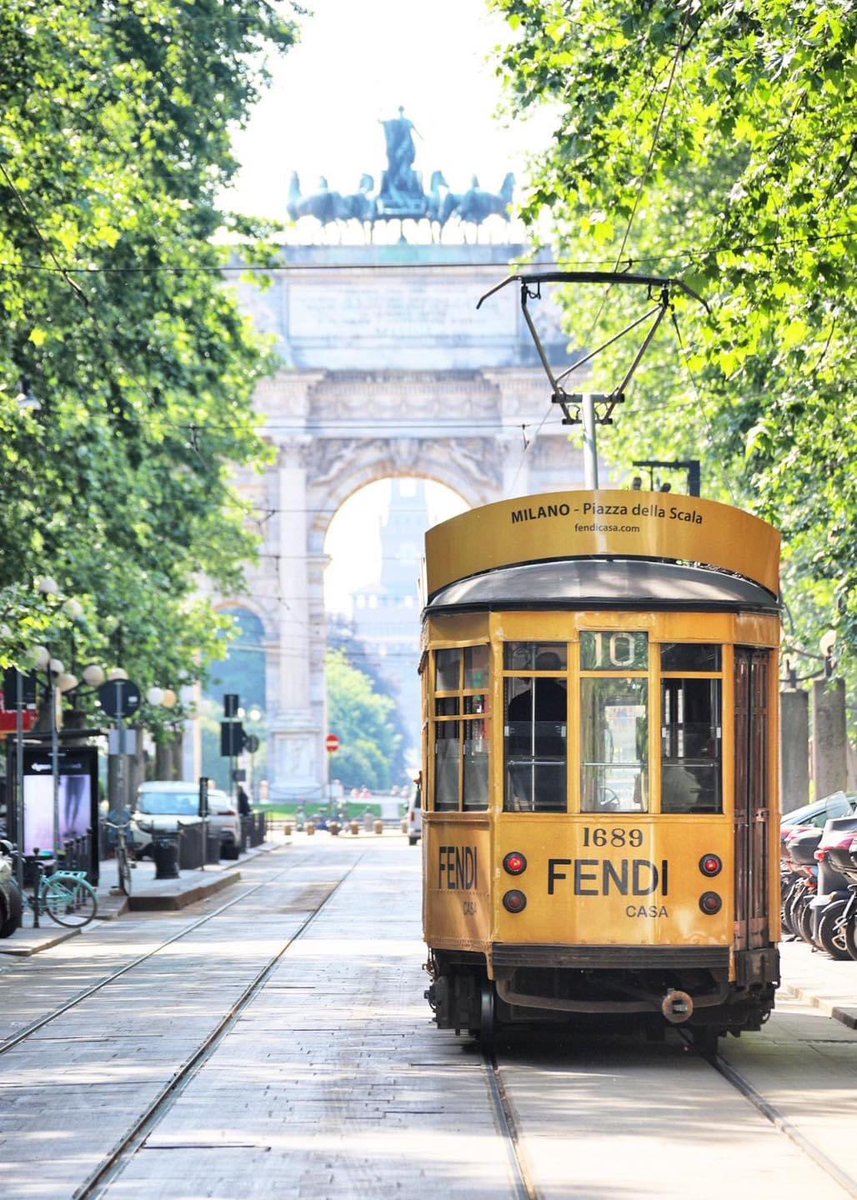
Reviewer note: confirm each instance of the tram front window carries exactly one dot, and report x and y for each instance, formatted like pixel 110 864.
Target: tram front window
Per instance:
pixel 615 745
pixel 536 732
pixel 691 746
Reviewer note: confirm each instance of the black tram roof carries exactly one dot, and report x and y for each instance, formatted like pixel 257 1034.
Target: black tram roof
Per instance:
pixel 604 583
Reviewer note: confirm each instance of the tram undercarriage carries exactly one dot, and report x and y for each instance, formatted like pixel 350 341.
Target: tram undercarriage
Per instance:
pixel 647 997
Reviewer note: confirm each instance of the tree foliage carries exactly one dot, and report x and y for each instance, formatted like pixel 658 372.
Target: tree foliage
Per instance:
pixel 115 122
pixel 365 722
pixel 715 141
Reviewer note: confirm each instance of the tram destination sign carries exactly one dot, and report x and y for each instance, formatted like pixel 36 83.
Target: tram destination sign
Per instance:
pixel 581 524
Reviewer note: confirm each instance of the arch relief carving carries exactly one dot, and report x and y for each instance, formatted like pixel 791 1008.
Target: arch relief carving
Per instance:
pixel 336 468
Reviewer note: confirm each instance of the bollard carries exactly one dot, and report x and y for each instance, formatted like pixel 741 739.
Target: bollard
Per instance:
pixel 165 852
pixel 405 825
pixel 379 826
pixel 287 829
pixel 355 827
pixel 310 827
pixel 334 827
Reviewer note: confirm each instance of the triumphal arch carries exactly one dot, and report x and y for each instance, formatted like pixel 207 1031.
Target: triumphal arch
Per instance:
pixel 387 369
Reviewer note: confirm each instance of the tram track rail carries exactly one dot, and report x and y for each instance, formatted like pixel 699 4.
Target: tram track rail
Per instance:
pixel 21 1035
pixel 524 1188
pixel 122 1153
pixel 782 1123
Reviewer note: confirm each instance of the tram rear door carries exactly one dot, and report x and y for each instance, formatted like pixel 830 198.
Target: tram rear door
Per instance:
pixel 752 797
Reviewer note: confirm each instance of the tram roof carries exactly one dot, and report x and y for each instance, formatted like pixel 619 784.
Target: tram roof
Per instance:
pixel 653 526
pixel 593 583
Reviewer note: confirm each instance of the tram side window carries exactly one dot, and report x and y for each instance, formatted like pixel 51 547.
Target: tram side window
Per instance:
pixel 461 729
pixel 536 724
pixel 691 732
pixel 615 722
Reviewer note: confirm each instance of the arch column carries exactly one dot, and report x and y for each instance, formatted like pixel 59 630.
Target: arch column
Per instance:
pixel 295 730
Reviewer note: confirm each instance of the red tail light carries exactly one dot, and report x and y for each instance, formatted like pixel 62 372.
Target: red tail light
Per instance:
pixel 515 863
pixel 711 865
pixel 821 855
pixel 710 903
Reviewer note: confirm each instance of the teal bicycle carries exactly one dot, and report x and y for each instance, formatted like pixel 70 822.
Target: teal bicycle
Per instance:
pixel 66 896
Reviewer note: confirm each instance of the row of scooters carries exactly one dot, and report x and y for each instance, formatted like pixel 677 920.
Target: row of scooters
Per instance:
pixel 819 884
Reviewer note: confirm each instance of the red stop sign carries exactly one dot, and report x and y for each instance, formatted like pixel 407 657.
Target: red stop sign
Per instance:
pixel 331 743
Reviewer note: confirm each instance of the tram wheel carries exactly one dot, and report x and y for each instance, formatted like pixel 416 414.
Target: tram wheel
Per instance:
pixel 487 1015
pixel 831 931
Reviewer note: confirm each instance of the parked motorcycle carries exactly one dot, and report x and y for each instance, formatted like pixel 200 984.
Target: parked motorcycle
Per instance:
pixel 840 845
pixel 800 847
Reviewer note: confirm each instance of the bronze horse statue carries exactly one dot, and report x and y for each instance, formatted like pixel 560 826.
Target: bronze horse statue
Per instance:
pixel 476 205
pixel 472 207
pixel 360 205
pixel 435 199
pixel 324 204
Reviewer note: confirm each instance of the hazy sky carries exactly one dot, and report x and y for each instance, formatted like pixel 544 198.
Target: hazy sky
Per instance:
pixel 356 63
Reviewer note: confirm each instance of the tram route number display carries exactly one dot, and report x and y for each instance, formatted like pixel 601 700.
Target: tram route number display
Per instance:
pixel 614 651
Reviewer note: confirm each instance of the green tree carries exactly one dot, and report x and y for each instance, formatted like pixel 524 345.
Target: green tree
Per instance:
pixel 115 126
pixel 365 724
pixel 716 141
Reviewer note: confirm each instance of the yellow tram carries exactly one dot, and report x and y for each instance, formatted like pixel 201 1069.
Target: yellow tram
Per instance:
pixel 599 680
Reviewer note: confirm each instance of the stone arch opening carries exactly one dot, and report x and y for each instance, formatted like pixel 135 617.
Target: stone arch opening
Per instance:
pixel 374 550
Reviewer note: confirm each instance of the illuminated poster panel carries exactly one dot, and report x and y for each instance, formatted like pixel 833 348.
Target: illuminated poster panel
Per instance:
pixel 77 788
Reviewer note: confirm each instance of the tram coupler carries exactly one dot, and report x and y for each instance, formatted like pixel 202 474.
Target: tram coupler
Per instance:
pixel 677 1007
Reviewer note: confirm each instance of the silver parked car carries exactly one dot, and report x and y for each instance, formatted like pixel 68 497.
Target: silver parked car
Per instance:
pixel 163 807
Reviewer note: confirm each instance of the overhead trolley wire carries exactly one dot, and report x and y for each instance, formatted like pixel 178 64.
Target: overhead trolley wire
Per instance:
pixel 681 255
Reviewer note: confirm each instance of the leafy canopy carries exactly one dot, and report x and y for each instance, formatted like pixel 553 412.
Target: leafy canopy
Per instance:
pixel 716 141
pixel 115 126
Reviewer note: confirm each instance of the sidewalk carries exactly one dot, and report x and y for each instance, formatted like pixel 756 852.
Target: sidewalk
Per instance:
pixel 811 976
pixel 148 894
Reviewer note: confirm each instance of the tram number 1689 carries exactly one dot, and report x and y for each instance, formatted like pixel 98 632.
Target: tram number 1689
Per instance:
pixel 599 836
